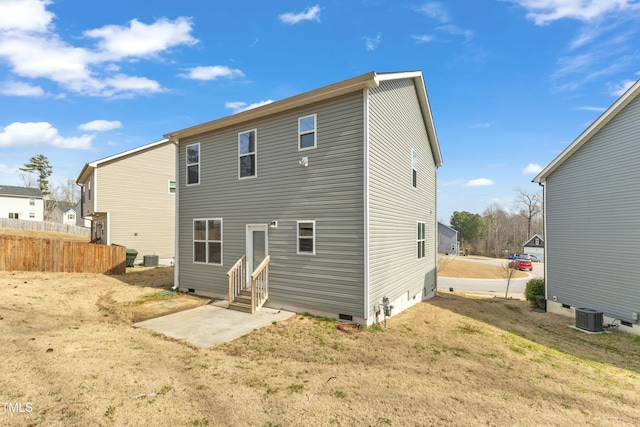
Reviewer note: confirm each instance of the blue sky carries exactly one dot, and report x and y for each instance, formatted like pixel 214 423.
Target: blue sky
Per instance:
pixel 511 82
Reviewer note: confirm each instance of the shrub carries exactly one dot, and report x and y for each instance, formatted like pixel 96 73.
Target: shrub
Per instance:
pixel 534 292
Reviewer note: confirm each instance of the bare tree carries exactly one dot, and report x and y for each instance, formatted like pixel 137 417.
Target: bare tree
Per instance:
pixel 28 180
pixel 507 273
pixel 530 205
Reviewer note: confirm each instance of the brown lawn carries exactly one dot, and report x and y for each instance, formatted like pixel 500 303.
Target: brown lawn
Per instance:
pixel 70 356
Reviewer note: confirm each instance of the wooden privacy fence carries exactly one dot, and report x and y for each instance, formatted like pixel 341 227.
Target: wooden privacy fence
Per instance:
pixel 27 254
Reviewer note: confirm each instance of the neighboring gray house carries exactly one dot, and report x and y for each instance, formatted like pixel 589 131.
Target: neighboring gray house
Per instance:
pixel 592 217
pixel 535 246
pixel 64 214
pixel 21 203
pixel 334 189
pixel 447 240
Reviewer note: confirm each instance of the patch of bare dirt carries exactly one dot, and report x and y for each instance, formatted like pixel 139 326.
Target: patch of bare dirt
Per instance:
pixel 71 355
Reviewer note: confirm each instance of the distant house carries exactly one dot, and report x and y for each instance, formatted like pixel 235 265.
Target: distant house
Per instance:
pixel 64 214
pixel 333 190
pixel 592 227
pixel 21 203
pixel 130 199
pixel 535 246
pixel 80 221
pixel 447 240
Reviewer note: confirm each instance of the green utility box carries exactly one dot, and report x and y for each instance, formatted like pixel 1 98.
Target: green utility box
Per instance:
pixel 131 257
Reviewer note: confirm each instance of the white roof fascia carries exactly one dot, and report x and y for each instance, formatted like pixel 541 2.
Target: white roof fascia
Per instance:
pixel 598 124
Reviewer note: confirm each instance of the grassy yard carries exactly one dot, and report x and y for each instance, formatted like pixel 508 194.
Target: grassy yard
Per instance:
pixel 69 351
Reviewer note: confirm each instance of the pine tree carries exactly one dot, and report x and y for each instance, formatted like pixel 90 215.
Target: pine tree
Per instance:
pixel 40 165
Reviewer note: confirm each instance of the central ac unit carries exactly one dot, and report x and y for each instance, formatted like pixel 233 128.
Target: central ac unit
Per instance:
pixel 589 319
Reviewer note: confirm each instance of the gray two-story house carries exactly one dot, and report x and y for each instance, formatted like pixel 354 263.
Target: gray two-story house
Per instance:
pixel 333 192
pixel 592 219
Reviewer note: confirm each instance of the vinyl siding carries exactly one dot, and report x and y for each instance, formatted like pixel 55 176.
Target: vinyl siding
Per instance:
pixel 396 127
pixel 593 221
pixel 329 191
pixel 134 190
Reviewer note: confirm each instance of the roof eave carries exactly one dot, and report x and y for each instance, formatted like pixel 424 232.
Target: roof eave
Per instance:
pixel 347 86
pixel 588 133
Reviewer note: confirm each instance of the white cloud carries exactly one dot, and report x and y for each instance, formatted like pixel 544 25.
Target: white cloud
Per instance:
pixel 212 73
pixel 21 89
pixel 454 30
pixel 310 14
pixel 239 106
pixel 543 12
pixel 100 125
pixel 619 88
pixel 372 43
pixel 481 125
pixel 480 182
pixel 32 134
pixel 141 40
pixel 532 169
pixel 438 12
pixel 423 38
pixel 25 15
pixel 435 11
pixel 596 109
pixel 33 50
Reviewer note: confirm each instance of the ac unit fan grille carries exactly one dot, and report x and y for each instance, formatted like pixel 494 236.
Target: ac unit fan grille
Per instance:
pixel 589 319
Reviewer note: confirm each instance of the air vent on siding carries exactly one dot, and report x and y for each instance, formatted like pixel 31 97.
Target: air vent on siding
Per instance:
pixel 589 319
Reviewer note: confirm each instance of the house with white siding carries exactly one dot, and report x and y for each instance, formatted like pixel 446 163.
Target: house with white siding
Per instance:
pixel 448 243
pixel 324 202
pixel 535 246
pixel 64 214
pixel 21 203
pixel 591 218
pixel 130 199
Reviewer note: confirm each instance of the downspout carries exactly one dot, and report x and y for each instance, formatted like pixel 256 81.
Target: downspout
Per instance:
pixel 81 201
pixel 367 285
pixel 437 239
pixel 176 236
pixel 544 233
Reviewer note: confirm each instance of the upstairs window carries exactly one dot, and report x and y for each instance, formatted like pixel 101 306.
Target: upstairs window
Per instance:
pixel 172 187
pixel 193 164
pixel 307 237
pixel 207 241
pixel 32 202
pixel 71 216
pixel 414 168
pixel 247 154
pixel 536 242
pixel 307 132
pixel 421 239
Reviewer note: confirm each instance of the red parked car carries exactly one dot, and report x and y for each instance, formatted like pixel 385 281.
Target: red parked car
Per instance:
pixel 521 264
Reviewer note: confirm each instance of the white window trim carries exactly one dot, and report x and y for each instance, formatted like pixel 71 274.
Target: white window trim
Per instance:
pixel 254 152
pixel 418 239
pixel 315 132
pixel 206 241
pixel 305 237
pixel 187 164
pixel 414 167
pixel 174 186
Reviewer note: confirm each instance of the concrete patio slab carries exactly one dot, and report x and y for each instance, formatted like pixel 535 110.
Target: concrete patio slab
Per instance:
pixel 212 324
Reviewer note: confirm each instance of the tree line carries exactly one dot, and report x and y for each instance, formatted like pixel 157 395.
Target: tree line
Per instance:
pixel 497 232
